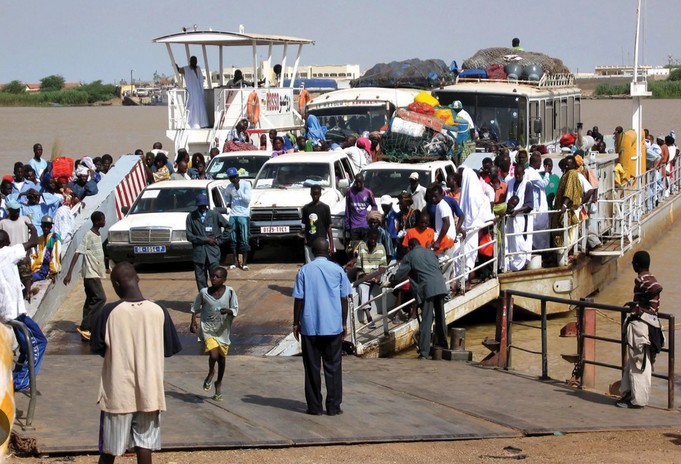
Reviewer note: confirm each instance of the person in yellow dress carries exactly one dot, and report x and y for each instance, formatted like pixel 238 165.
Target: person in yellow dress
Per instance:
pixel 46 258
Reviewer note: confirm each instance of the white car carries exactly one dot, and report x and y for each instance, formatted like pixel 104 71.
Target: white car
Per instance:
pixel 248 163
pixel 154 229
pixel 282 188
pixel 385 178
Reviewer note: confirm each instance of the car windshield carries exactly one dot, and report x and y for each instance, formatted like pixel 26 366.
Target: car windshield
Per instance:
pixel 248 166
pixel 167 200
pixel 391 181
pixel 293 175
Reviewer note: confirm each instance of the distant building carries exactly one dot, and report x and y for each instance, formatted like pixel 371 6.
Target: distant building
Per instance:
pixel 341 73
pixel 628 70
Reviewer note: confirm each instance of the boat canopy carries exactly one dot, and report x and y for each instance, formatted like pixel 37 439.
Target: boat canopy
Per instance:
pixel 229 39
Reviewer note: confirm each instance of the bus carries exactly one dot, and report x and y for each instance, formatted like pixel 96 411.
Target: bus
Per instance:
pixel 519 113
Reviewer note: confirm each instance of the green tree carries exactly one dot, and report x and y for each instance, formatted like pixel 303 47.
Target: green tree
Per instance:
pixel 15 87
pixel 50 83
pixel 675 75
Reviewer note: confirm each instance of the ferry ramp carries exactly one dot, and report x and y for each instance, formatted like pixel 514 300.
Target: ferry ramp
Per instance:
pixel 384 400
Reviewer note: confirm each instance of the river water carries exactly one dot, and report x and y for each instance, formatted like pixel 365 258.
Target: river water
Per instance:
pixel 93 131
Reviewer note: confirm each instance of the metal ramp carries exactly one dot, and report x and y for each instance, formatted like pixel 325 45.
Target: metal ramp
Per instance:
pixel 390 338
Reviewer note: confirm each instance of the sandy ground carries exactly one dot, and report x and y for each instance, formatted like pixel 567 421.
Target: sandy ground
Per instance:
pixel 659 446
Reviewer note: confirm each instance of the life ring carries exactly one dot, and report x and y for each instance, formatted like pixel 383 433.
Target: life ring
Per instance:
pixel 253 108
pixel 303 99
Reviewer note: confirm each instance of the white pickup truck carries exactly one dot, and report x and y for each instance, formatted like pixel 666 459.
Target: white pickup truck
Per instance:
pixel 282 188
pixel 385 178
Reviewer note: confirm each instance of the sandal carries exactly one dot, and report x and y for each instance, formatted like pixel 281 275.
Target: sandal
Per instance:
pixel 207 384
pixel 217 397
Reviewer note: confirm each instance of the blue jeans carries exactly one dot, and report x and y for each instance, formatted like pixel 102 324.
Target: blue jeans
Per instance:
pixel 240 226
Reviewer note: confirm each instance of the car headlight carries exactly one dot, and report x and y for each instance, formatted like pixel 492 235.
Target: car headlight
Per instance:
pixel 338 222
pixel 118 236
pixel 179 236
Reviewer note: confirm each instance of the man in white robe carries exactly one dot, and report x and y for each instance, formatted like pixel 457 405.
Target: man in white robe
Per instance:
pixel 197 116
pixel 540 241
pixel 477 211
pixel 519 225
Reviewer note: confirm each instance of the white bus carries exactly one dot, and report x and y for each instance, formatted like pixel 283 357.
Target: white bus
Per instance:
pixel 519 113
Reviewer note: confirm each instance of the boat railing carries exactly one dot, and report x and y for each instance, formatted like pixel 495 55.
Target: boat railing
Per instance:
pixel 574 238
pixel 623 223
pixel 387 313
pixel 585 360
pixel 177 109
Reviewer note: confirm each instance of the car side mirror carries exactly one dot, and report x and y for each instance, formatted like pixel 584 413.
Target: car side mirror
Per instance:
pixel 343 185
pixel 537 126
pixel 125 210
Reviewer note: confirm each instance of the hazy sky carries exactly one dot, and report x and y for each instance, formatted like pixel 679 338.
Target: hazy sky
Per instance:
pixel 85 40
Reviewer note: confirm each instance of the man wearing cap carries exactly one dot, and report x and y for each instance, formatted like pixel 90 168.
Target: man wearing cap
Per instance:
pixel 417 191
pixel 46 260
pixel 238 198
pixel 206 231
pixel 19 229
pixel 81 186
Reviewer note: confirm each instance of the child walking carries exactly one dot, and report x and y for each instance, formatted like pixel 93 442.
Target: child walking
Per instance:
pixel 218 305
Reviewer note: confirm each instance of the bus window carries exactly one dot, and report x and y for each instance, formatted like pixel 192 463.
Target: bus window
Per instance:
pixel 549 121
pixel 578 109
pixel 571 112
pixel 564 127
pixel 534 115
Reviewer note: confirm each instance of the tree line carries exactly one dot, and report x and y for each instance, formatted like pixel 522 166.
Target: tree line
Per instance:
pixel 52 91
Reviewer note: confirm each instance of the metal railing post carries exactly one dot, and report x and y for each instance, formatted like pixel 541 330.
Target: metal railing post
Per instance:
pixel 509 337
pixel 544 343
pixel 670 363
pixel 384 310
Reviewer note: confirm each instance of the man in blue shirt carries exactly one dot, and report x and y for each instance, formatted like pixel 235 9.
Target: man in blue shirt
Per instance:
pixel 320 312
pixel 238 197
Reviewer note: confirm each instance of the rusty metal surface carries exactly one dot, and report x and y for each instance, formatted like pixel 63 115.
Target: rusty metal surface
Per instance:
pixel 385 400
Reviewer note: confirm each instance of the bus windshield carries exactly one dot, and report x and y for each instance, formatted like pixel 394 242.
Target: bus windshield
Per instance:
pixel 349 120
pixel 502 118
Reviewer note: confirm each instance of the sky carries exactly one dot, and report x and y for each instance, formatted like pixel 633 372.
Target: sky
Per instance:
pixel 85 40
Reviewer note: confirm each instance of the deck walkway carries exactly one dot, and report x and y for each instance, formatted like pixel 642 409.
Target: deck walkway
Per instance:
pixel 385 400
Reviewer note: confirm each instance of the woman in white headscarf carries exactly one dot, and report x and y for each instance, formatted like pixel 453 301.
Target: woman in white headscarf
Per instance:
pixel 477 211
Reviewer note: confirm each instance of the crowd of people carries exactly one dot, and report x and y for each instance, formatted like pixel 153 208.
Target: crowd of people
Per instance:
pixel 40 197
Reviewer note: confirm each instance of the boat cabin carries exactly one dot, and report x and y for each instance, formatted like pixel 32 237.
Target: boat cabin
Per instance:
pixel 267 104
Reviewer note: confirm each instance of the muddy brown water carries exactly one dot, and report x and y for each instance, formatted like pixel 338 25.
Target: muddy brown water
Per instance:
pixel 117 130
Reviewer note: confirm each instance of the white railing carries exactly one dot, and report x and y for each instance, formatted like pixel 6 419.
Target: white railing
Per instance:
pixel 382 301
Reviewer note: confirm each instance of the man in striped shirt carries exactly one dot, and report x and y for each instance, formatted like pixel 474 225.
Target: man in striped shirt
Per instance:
pixel 642 322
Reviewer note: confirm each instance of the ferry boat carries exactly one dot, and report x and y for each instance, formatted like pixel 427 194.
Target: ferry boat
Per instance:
pixel 266 105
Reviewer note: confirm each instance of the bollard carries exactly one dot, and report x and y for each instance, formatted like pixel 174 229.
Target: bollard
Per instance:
pixel 437 353
pixel 457 345
pixel 457 339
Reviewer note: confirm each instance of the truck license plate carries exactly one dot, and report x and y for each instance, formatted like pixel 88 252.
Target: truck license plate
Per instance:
pixel 274 229
pixel 149 249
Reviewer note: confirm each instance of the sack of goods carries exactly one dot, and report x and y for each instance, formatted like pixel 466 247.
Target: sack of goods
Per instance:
pixel 412 129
